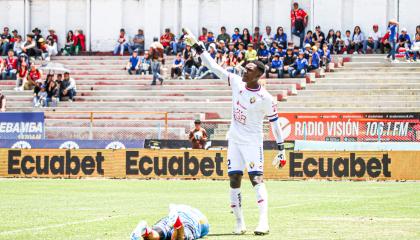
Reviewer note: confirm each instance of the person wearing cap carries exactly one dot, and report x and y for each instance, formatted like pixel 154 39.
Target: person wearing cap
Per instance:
pixel 52 35
pixel 122 43
pixel 392 38
pixel 5 38
pixel 299 67
pixel 250 54
pixel 2 102
pixel 14 37
pixel 314 61
pixel 37 36
pixel 374 40
pixel 276 66
pixel 52 41
pixel 40 98
pixel 198 135
pixel 223 36
pixel 222 46
pixel 299 21
pixel 137 43
pixel 10 66
pixel 404 40
pixel 145 64
pixel 263 54
pixel 307 52
pixel 318 36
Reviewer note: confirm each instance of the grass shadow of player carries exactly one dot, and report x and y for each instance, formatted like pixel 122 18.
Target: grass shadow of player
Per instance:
pixel 226 234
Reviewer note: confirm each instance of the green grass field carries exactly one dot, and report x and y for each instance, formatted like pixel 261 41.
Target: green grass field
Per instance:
pixel 110 209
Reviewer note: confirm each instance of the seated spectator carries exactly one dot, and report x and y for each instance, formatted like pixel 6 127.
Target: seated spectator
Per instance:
pixel 223 36
pixel 189 63
pixel 308 52
pixel 138 43
pixel 318 36
pixel 49 78
pixel 30 48
pixel 257 37
pixel 203 71
pixel 68 46
pixel 308 38
pixel 288 60
pixel 281 37
pixel 246 37
pixel 9 66
pixel 21 76
pixel 325 56
pixel 415 49
pixel 5 41
pixel 235 37
pixel 156 56
pixel 17 45
pixel 231 47
pixel 178 44
pixel 331 39
pixel 122 43
pixel 145 64
pixel 263 54
pixel 34 75
pixel 79 42
pixel 222 46
pixel 357 40
pixel 240 50
pixel 44 50
pixel 373 41
pixel 37 36
pixel 166 40
pixel 339 43
pixel 404 40
pixel 203 36
pixel 250 54
pixel 52 93
pixel 40 95
pixel 299 67
pixel 276 66
pixel 268 36
pixel 296 51
pixel 176 69
pixel 210 38
pixel 347 42
pixel 14 37
pixel 2 102
pixel 52 41
pixel 220 59
pixel 67 88
pixel 231 62
pixel 133 64
pixel 314 60
pixel 59 79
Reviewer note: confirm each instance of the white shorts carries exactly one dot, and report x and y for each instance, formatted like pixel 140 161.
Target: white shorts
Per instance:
pixel 241 156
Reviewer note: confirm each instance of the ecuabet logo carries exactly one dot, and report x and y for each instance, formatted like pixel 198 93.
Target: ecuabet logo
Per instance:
pixel 21 145
pixel 69 145
pixel 115 145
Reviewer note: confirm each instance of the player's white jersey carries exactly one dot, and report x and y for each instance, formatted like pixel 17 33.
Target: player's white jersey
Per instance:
pixel 249 108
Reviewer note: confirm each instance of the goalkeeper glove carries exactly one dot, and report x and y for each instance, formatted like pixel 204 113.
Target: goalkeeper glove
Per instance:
pixel 280 160
pixel 190 39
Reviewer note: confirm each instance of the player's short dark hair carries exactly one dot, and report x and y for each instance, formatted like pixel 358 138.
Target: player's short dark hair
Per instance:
pixel 260 66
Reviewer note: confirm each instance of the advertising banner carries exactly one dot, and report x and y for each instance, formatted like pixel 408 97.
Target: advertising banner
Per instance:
pixel 352 127
pixel 22 125
pixel 71 144
pixel 202 164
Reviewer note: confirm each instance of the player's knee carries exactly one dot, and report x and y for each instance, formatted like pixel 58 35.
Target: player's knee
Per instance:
pixel 235 180
pixel 256 179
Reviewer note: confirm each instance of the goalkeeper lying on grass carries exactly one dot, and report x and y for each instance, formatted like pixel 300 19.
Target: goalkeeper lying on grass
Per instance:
pixel 182 223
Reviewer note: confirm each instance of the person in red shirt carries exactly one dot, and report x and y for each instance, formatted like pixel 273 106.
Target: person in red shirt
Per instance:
pixel 166 40
pixel 34 75
pixel 299 21
pixel 10 66
pixel 14 36
pixel 22 75
pixel 203 36
pixel 256 37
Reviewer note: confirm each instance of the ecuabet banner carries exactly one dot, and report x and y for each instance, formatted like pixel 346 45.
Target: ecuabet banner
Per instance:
pixel 22 125
pixel 205 164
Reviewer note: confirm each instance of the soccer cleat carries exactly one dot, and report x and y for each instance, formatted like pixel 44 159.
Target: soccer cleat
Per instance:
pixel 141 231
pixel 239 229
pixel 262 230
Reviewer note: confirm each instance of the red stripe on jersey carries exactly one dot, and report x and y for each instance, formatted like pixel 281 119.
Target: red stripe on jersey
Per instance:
pixel 254 90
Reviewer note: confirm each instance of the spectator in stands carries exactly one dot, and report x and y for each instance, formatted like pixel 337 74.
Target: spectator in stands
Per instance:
pixel 17 46
pixel 404 40
pixel 246 37
pixel 268 36
pixel 45 49
pixel 325 56
pixel 339 43
pixel 331 39
pixel 52 93
pixel 138 43
pixel 203 71
pixel 166 40
pixel 223 36
pixel 79 42
pixel 299 21
pixel 122 43
pixel 415 49
pixel 52 35
pixel 5 41
pixel 357 40
pixel 203 36
pixel 198 136
pixel 40 95
pixel 2 65
pixel 14 37
pixel 10 66
pixel 52 40
pixel 314 60
pixel 145 64
pixel 133 65
pixel 68 46
pixel 236 37
pixel 308 38
pixel 178 45
pixel 299 67
pixel 37 36
pixel 281 37
pixel 210 38
pixel 34 75
pixel 263 54
pixel 256 37
pixel 392 29
pixel 2 102
pixel 347 42
pixel 276 66
pixel 222 46
pixel 156 55
pixel 30 48
pixel 189 63
pixel 308 52
pixel 231 62
pixel 250 54
pixel 289 59
pixel 373 41
pixel 67 88
pixel 176 69
pixel 318 36
pixel 21 76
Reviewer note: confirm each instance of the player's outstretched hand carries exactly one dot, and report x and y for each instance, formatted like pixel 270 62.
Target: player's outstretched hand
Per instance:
pixel 280 160
pixel 190 38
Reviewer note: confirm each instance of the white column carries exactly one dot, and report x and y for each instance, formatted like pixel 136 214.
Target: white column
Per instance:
pixel 57 21
pixel 153 26
pixel 255 17
pixel 88 25
pixel 27 18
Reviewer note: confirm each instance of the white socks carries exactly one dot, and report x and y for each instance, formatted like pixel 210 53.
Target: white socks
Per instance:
pixel 236 205
pixel 262 201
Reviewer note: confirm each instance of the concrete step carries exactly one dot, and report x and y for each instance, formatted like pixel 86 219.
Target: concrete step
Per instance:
pixel 350 103
pixel 359 86
pixel 354 67
pixel 202 104
pixel 351 97
pixel 377 74
pixel 286 109
pixel 118 123
pixel 358 93
pixel 368 81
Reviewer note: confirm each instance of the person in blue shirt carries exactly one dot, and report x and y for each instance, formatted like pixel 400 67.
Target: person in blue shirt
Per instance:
pixel 133 64
pixel 273 48
pixel 404 40
pixel 392 29
pixel 281 37
pixel 182 222
pixel 276 66
pixel 236 36
pixel 325 56
pixel 263 54
pixel 308 51
pixel 299 67
pixel 314 61
pixel 177 66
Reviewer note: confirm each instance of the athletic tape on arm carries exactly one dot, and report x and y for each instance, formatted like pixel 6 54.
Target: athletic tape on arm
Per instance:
pixel 276 130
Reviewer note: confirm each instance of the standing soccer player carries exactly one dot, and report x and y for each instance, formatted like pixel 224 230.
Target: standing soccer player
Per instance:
pixel 250 104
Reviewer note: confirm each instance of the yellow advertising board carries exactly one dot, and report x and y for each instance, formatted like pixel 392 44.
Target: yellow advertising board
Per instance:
pixel 205 164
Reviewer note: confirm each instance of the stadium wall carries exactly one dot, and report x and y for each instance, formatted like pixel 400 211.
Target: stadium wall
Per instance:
pixel 101 19
pixel 202 164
